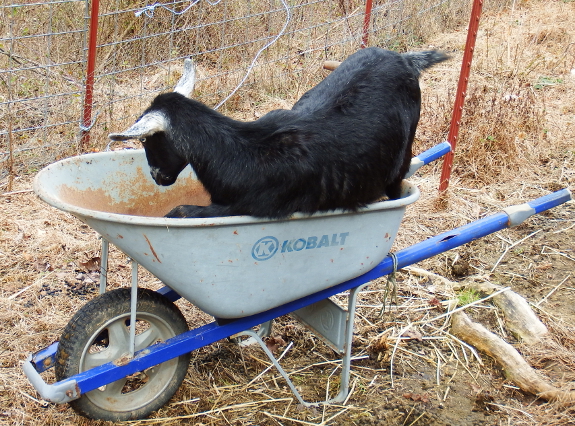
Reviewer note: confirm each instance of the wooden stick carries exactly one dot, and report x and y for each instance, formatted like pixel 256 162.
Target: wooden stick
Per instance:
pixel 519 317
pixel 514 366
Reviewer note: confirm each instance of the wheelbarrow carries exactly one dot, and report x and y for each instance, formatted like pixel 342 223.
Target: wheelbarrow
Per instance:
pixel 125 353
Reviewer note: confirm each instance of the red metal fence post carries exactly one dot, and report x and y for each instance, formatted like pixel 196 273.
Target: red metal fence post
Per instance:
pixel 461 92
pixel 89 95
pixel 366 23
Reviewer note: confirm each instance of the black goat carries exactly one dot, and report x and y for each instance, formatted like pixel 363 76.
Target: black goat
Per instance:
pixel 344 144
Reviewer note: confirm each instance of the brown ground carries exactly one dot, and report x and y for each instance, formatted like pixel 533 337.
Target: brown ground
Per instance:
pixel 516 144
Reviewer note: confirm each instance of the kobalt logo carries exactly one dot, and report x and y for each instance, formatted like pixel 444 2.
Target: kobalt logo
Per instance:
pixel 266 247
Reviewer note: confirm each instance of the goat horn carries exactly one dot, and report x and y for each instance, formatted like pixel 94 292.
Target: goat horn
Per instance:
pixel 150 123
pixel 188 79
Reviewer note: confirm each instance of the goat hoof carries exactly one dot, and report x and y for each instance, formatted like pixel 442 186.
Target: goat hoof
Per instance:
pixel 177 212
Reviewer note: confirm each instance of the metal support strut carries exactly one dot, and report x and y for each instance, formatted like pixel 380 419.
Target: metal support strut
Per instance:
pixel 331 323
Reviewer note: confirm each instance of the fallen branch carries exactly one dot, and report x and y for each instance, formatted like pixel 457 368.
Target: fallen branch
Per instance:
pixel 426 274
pixel 514 366
pixel 519 317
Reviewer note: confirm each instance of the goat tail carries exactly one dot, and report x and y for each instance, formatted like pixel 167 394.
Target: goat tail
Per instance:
pixel 423 60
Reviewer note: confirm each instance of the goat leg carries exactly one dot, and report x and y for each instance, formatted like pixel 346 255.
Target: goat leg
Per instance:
pixel 187 211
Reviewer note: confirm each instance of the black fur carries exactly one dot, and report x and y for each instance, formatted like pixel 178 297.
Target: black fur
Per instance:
pixel 344 144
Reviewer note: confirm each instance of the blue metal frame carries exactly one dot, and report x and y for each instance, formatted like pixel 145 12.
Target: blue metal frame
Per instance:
pixel 427 157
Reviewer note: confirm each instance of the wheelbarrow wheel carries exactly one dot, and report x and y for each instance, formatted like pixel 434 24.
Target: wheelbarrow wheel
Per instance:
pixel 99 333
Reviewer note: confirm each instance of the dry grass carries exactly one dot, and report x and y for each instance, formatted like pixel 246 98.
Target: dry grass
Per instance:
pixel 515 145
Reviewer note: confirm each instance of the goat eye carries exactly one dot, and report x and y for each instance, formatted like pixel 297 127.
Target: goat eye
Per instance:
pixel 143 140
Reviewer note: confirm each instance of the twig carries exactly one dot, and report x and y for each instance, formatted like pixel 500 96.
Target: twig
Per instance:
pixel 271 365
pixel 38 281
pixel 511 246
pixel 505 407
pixel 7 194
pixel 446 392
pixel 553 291
pixel 438 353
pixel 162 420
pixel 426 358
pixel 454 351
pixel 275 416
pixel 39 401
pixel 395 350
pixel 307 367
pixel 464 355
pixel 409 414
pixel 184 402
pixel 338 413
pixel 500 323
pixel 438 372
pixel 564 229
pixel 461 308
pixel 415 421
pixel 471 348
pixel 427 274
pixel 556 252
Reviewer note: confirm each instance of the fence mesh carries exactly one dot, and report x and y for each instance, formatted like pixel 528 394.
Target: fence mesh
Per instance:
pixel 245 51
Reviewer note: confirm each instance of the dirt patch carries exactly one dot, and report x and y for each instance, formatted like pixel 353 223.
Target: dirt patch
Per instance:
pixel 516 145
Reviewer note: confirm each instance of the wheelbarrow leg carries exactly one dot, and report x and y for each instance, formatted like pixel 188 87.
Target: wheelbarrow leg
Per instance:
pixel 133 306
pixel 341 323
pixel 254 335
pixel 104 265
pixel 346 360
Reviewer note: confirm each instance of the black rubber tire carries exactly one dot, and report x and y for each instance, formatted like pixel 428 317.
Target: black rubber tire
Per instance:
pixel 97 334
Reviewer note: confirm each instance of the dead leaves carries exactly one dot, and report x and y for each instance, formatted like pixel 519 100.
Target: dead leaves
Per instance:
pixel 417 397
pixel 435 302
pixel 380 349
pixel 42 266
pixel 91 265
pixel 274 343
pixel 413 334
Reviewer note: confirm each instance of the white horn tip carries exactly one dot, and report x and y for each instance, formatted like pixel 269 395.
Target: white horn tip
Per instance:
pixel 148 124
pixel 118 137
pixel 188 79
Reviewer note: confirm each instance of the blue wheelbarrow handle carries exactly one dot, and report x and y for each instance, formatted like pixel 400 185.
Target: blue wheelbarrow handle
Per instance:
pixel 509 217
pixel 427 157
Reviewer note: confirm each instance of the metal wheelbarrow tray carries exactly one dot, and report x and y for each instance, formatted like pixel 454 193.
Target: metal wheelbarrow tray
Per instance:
pixel 229 267
pixel 246 270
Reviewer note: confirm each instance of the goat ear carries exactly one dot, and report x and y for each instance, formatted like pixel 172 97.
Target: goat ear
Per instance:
pixel 148 124
pixel 188 79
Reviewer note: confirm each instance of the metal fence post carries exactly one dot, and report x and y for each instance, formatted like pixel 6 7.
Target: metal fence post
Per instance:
pixel 366 23
pixel 89 94
pixel 461 92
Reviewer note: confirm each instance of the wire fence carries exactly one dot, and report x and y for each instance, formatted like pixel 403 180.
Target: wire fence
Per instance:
pixel 246 52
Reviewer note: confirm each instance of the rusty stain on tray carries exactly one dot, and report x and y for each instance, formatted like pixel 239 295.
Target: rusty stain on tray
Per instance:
pixel 137 197
pixel 152 248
